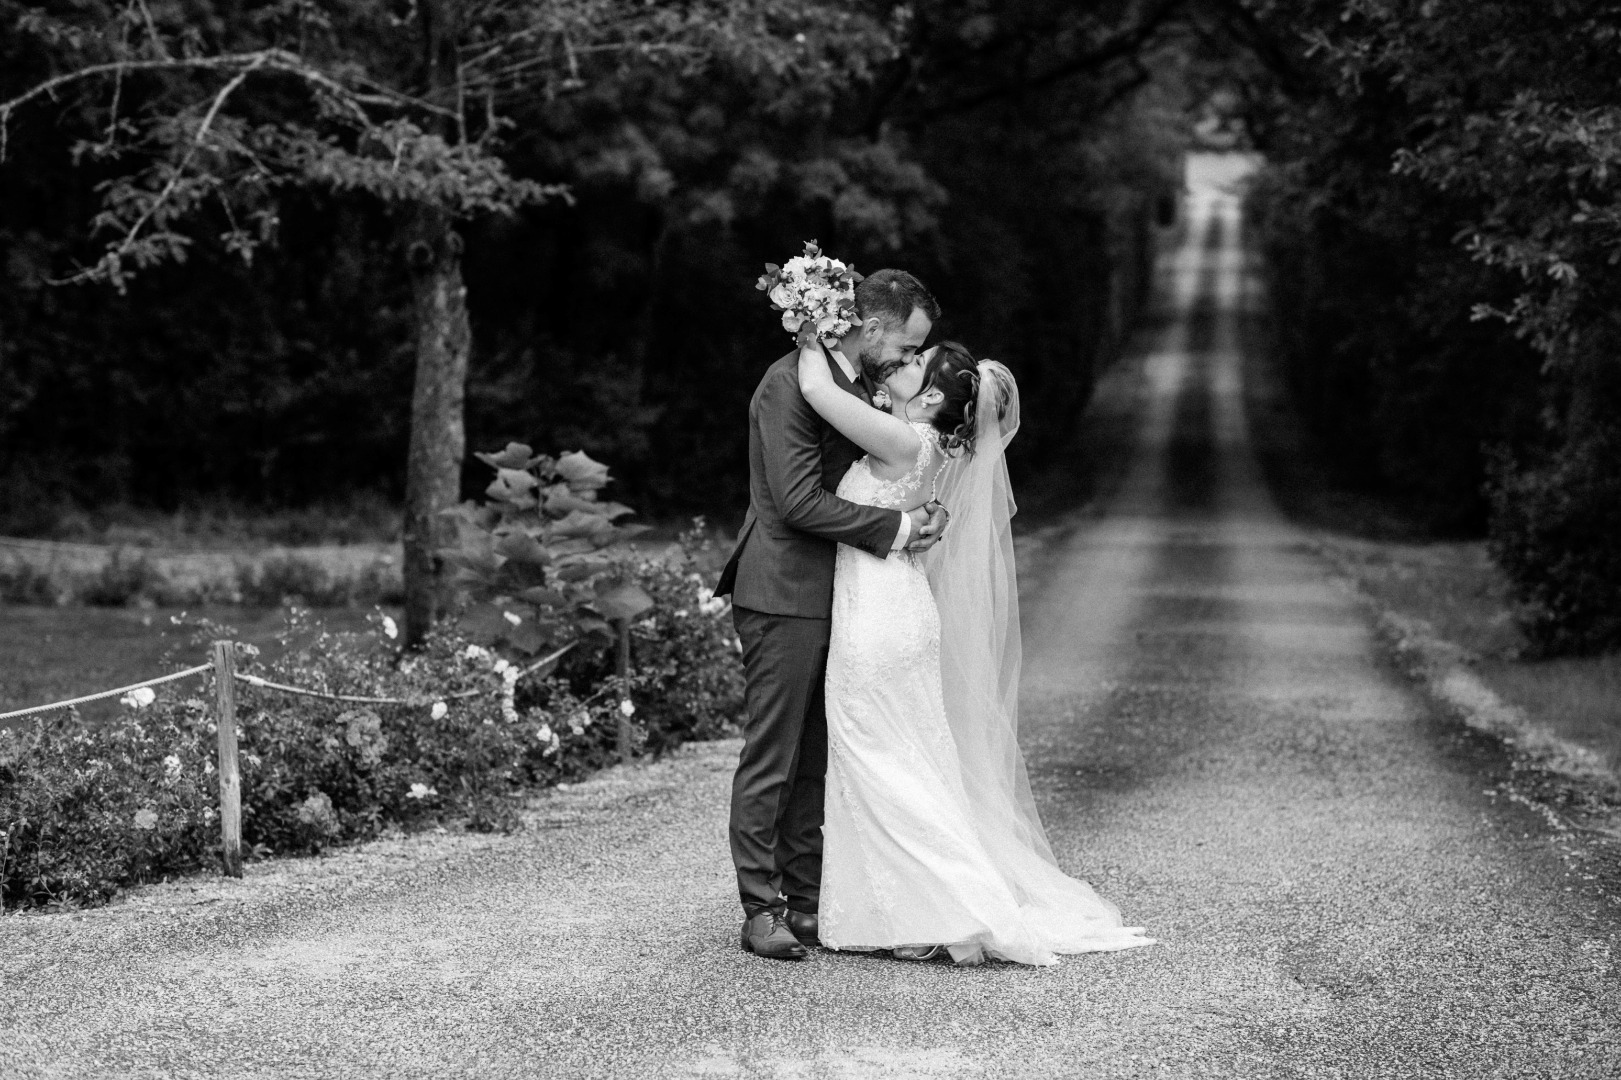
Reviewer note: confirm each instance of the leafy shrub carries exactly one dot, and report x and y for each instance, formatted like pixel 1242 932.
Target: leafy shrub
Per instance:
pixel 282 579
pixel 86 809
pixel 1556 532
pixel 122 579
pixel 534 561
pixel 23 583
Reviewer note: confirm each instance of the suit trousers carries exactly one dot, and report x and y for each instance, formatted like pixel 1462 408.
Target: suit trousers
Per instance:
pixel 776 826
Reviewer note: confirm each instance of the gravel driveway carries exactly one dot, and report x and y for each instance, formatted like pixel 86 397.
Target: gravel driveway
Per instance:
pixel 1339 888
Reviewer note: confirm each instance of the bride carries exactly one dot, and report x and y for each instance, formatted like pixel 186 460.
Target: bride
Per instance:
pixel 931 839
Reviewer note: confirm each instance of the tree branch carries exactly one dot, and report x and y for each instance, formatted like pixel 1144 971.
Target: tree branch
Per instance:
pixel 265 60
pixel 134 231
pixel 1123 44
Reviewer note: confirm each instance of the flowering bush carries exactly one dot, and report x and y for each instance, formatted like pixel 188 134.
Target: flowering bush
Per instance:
pixel 816 295
pixel 85 809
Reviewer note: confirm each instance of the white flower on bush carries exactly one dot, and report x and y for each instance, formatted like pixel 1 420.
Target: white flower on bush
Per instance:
pixel 138 698
pixel 709 603
pixel 439 710
pixel 421 791
pixel 627 708
pixel 476 652
pixel 146 819
pixel 579 722
pixel 171 768
pixel 391 629
pixel 545 734
pixel 500 667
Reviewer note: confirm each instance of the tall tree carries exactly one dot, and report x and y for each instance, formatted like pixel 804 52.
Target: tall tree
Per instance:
pixel 200 117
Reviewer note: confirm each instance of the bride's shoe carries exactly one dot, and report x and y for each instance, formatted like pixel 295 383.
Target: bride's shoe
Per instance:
pixel 917 952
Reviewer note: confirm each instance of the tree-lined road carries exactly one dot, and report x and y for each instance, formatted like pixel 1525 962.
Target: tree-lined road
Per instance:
pixel 1215 742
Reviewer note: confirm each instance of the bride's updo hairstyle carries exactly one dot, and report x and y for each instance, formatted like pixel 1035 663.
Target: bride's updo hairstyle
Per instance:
pixel 954 372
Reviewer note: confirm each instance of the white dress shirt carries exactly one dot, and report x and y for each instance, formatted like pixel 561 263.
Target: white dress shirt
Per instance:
pixel 904 537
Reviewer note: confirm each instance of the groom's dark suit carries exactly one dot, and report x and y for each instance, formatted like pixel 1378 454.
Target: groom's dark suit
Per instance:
pixel 780 578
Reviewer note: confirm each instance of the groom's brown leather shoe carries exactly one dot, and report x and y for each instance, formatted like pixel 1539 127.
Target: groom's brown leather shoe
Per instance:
pixel 766 934
pixel 803 925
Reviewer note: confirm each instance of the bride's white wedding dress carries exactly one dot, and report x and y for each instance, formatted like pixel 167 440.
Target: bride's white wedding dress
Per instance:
pixel 914 854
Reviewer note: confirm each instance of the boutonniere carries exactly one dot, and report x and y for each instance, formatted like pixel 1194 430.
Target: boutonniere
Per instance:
pixel 880 399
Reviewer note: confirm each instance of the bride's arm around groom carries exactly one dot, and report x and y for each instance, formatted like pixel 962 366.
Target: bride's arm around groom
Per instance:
pixel 780 578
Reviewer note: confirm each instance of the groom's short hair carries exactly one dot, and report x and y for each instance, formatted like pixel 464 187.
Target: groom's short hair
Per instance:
pixel 891 296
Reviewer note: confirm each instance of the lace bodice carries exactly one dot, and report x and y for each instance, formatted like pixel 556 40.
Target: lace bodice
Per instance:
pixel 861 486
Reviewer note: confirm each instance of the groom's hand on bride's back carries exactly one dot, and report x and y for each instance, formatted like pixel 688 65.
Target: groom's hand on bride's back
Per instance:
pixel 928 525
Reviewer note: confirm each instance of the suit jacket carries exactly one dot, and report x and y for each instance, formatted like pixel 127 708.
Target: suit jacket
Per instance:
pixel 783 562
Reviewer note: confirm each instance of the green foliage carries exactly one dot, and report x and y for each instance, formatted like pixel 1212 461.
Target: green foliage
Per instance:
pixel 536 559
pixel 624 324
pixel 88 808
pixel 291 578
pixel 123 578
pixel 1445 162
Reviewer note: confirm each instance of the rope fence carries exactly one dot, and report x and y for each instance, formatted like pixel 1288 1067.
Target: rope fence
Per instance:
pixel 226 678
pixel 119 692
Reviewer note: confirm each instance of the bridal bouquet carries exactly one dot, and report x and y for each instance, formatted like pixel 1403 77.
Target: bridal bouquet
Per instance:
pixel 816 295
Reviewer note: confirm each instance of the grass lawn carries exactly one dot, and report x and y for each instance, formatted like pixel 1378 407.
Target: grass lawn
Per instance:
pixel 1456 588
pixel 51 653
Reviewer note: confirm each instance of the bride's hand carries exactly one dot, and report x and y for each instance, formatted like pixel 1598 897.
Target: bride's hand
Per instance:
pixel 813 367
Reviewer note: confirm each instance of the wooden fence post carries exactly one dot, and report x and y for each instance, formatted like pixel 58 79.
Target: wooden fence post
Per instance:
pixel 230 775
pixel 623 668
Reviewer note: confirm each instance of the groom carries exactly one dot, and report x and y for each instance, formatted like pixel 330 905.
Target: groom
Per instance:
pixel 780 577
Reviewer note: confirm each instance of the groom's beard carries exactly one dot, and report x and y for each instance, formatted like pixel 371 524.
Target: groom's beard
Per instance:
pixel 875 370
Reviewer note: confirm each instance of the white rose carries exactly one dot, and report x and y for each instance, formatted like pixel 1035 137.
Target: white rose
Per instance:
pixel 139 698
pixel 627 708
pixel 391 629
pixel 827 325
pixel 783 295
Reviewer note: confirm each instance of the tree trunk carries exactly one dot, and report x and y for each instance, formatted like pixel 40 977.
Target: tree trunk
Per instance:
pixel 438 434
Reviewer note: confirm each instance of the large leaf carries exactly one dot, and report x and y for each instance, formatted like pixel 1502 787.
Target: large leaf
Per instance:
pixel 578 569
pixel 515 456
pixel 484 623
pixel 582 472
pixel 581 525
pixel 560 502
pixel 623 602
pixel 591 626
pixel 519 546
pixel 513 486
pixel 529 636
pixel 543 597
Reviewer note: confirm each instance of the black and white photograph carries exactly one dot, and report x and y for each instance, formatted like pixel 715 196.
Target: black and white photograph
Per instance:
pixel 811 540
